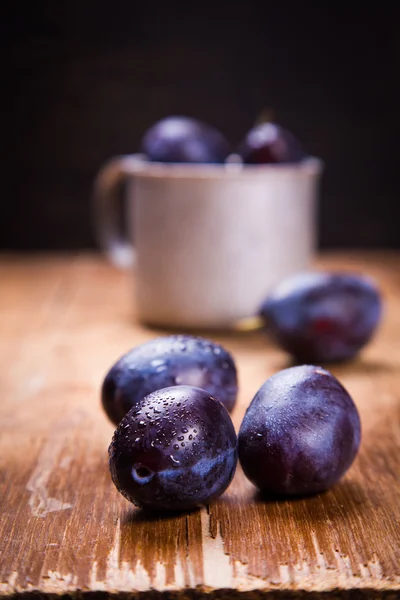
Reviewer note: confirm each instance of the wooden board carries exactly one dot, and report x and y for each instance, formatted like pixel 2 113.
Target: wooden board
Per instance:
pixel 63 525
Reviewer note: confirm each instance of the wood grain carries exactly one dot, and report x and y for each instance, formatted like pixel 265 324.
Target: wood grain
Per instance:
pixel 63 525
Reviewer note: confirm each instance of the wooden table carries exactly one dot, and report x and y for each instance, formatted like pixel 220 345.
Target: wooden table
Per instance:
pixel 63 526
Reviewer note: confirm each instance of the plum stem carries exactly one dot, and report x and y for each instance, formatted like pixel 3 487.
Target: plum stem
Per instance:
pixel 266 115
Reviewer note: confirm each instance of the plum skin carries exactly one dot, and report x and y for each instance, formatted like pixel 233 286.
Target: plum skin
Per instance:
pixel 179 139
pixel 323 317
pixel 300 433
pixel 164 362
pixel 174 450
pixel 269 143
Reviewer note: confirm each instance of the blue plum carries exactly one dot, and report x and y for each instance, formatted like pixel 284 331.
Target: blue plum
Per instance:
pixel 269 143
pixel 322 317
pixel 300 433
pixel 174 450
pixel 166 361
pixel 184 140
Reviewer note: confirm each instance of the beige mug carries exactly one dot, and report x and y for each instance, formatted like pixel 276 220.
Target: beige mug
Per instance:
pixel 207 242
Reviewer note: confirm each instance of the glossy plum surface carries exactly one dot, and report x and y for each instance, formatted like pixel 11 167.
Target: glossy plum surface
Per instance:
pixel 322 317
pixel 184 140
pixel 174 450
pixel 166 361
pixel 269 143
pixel 300 433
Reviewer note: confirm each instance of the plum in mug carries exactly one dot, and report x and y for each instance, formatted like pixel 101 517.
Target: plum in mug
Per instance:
pixel 207 242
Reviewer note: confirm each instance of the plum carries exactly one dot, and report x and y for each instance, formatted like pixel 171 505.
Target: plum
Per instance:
pixel 268 143
pixel 300 433
pixel 166 361
pixel 323 316
pixel 184 140
pixel 174 450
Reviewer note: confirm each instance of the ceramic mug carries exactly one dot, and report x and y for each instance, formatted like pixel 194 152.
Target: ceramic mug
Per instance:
pixel 207 242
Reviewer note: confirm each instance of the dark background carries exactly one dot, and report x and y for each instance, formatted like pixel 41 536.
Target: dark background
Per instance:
pixel 83 81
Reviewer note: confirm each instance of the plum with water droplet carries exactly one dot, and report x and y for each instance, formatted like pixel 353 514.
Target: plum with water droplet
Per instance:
pixel 174 450
pixel 180 139
pixel 300 433
pixel 323 316
pixel 166 361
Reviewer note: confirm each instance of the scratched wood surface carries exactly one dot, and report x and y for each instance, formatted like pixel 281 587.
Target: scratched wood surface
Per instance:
pixel 63 525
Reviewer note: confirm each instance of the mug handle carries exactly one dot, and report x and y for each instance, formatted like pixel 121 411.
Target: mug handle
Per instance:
pixel 116 246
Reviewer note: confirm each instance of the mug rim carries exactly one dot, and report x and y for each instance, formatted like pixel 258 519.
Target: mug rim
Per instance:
pixel 143 168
